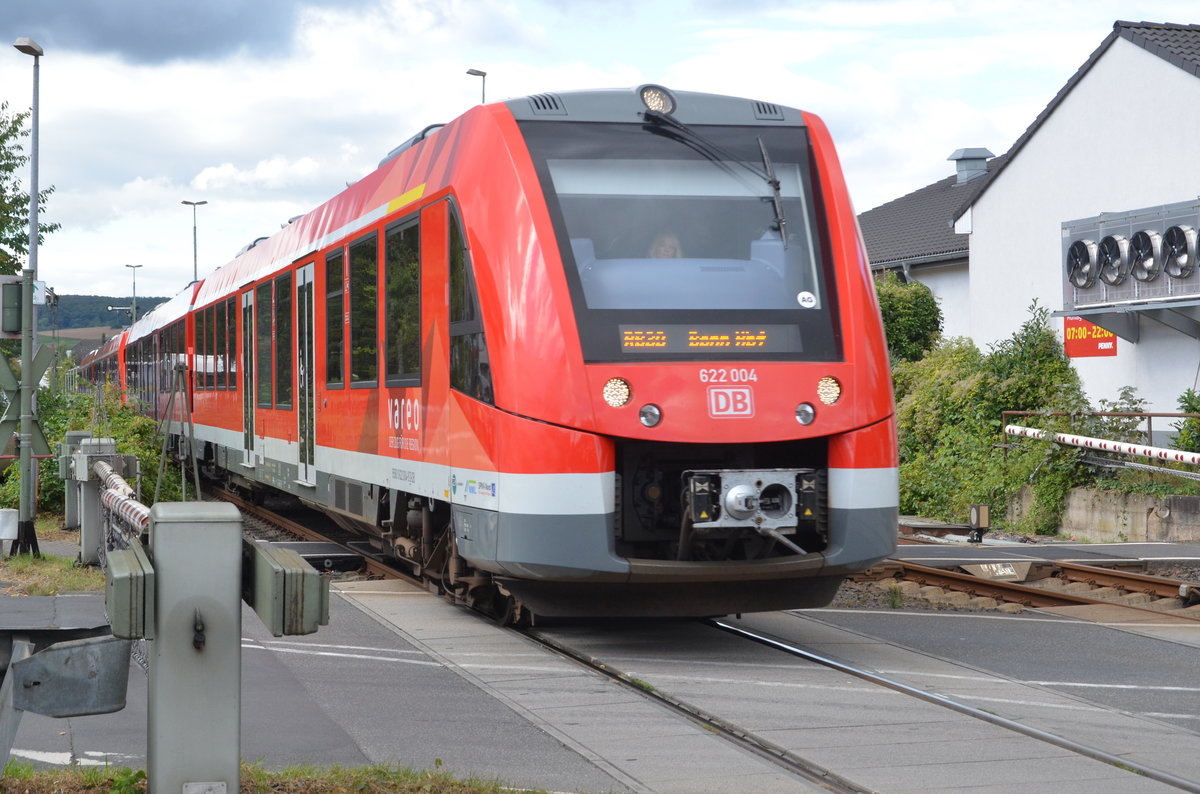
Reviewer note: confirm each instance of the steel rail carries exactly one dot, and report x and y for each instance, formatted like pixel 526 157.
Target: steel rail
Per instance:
pixel 962 708
pixel 373 566
pixel 764 748
pixel 1025 595
pixel 1159 586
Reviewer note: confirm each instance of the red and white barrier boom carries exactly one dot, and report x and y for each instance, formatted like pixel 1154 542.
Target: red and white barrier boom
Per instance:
pixel 1104 445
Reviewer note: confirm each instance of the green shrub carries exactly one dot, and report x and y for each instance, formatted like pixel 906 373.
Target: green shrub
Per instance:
pixel 948 415
pixel 912 319
pixel 135 434
pixel 1188 438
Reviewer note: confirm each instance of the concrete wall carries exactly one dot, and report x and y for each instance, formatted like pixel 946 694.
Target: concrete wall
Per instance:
pixel 1107 516
pixel 1095 154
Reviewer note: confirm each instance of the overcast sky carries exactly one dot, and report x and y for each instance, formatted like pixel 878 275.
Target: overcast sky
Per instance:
pixel 265 108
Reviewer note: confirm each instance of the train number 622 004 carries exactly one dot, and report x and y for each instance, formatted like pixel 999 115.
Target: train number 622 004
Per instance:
pixel 723 375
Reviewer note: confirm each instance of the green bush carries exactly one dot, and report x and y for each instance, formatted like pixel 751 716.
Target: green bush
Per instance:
pixel 1188 438
pixel 135 434
pixel 948 416
pixel 912 319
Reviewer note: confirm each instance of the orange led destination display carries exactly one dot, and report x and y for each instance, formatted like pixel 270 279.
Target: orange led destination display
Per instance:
pixel 709 339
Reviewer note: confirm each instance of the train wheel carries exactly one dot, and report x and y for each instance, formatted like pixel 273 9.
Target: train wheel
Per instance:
pixel 507 610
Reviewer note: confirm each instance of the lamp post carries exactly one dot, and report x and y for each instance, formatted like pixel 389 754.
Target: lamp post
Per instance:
pixel 26 537
pixel 193 205
pixel 133 303
pixel 482 84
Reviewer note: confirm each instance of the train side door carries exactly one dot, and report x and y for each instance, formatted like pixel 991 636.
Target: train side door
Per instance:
pixel 248 377
pixel 306 398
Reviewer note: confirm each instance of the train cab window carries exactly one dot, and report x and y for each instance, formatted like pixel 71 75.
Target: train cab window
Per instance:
pixel 262 343
pixel 334 318
pixel 364 323
pixel 678 244
pixel 283 341
pixel 470 371
pixel 402 282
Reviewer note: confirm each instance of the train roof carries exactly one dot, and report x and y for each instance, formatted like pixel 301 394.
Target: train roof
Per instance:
pixel 164 313
pixel 377 194
pixel 690 107
pixel 384 190
pixel 112 345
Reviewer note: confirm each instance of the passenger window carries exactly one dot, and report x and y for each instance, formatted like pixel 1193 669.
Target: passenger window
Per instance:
pixel 364 337
pixel 283 341
pixel 262 347
pixel 334 317
pixel 403 309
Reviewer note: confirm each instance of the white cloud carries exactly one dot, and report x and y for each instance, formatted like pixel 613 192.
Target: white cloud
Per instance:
pixel 274 174
pixel 264 134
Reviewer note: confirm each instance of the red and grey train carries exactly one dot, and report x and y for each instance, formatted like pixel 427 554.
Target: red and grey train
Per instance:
pixel 590 353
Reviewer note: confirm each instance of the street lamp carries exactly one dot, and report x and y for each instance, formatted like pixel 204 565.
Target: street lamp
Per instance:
pixel 26 537
pixel 482 84
pixel 193 205
pixel 133 303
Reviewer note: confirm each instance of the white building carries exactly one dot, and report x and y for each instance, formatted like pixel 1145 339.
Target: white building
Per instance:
pixel 1121 139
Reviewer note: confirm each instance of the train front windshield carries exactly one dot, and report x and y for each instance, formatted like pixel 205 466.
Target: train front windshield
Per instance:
pixel 672 241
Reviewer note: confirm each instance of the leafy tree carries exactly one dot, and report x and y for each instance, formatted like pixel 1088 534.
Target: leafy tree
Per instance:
pixel 911 317
pixel 14 202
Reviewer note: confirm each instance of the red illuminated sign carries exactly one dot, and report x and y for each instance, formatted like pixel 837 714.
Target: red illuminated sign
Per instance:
pixel 1082 339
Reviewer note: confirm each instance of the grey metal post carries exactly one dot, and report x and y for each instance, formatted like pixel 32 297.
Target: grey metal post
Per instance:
pixel 194 719
pixel 27 502
pixel 91 518
pixel 71 488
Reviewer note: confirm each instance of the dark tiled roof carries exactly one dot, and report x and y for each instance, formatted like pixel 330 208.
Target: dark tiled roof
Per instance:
pixel 1176 44
pixel 919 227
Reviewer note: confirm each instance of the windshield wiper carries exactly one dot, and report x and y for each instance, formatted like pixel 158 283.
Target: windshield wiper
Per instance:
pixel 777 198
pixel 713 150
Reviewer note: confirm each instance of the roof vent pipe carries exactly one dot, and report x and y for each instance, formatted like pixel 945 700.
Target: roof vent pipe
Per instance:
pixel 971 163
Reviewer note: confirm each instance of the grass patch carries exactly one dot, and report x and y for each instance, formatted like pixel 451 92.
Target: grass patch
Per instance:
pixel 26 575
pixel 23 778
pixel 49 575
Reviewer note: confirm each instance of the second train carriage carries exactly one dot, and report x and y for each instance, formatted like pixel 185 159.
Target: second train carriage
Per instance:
pixel 601 352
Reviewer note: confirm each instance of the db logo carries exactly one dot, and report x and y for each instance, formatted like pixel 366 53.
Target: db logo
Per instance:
pixel 726 401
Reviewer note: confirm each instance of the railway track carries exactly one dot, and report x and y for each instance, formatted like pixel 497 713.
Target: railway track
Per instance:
pixel 792 762
pixel 956 705
pixel 1054 584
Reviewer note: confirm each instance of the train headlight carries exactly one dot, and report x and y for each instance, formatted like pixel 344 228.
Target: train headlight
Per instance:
pixel 650 415
pixel 805 413
pixel 617 392
pixel 655 97
pixel 829 390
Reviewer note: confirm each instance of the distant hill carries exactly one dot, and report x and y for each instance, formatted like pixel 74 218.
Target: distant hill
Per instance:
pixel 89 311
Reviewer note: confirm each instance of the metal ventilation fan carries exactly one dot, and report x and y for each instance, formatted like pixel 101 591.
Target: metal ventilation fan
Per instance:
pixel 1179 251
pixel 1146 255
pixel 1114 259
pixel 1081 263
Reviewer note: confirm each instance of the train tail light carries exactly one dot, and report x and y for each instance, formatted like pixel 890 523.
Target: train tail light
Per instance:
pixel 650 415
pixel 805 413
